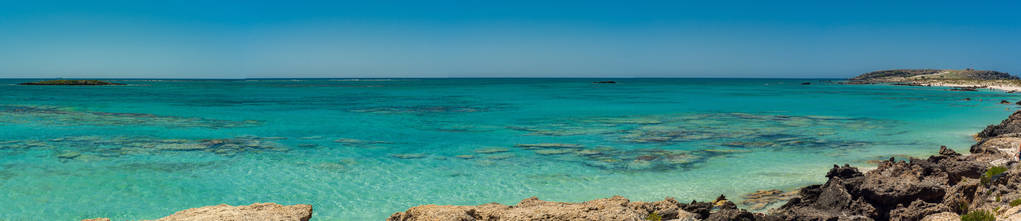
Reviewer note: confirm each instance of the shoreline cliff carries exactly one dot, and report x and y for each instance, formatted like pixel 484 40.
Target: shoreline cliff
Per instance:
pixel 983 185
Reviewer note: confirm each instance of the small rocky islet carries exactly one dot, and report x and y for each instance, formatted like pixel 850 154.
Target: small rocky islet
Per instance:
pixel 945 186
pixel 71 83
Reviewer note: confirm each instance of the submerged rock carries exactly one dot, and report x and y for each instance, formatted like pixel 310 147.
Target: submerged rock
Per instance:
pixel 553 151
pixel 490 150
pixel 547 145
pixel 940 187
pixel 181 147
pixel 408 155
pixel 68 155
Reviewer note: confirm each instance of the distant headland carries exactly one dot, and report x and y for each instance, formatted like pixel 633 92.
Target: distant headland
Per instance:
pixel 967 79
pixel 71 82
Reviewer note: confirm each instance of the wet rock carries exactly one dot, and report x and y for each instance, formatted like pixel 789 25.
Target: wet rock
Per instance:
pixel 806 83
pixel 604 82
pixel 465 156
pixel 1004 102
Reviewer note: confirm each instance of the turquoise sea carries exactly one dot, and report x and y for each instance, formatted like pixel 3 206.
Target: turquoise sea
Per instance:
pixel 362 149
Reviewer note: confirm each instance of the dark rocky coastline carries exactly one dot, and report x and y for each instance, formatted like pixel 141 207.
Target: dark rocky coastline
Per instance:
pixel 72 83
pixel 941 187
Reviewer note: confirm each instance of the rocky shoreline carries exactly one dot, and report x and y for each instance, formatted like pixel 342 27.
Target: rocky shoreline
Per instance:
pixel 984 185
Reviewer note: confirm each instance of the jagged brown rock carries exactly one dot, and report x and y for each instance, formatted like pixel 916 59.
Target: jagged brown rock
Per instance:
pixel 1010 127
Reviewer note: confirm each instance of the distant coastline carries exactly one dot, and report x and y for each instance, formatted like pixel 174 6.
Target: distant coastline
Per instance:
pixel 72 83
pixel 966 79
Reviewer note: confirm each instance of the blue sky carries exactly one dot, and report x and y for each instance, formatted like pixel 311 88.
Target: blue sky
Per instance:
pixel 239 39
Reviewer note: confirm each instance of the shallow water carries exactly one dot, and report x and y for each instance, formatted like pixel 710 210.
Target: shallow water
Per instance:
pixel 363 149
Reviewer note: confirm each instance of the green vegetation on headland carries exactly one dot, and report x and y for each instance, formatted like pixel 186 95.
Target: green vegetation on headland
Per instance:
pixel 71 82
pixel 939 77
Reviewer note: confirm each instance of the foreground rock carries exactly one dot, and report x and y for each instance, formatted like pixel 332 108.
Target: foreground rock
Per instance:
pixel 615 208
pixel 945 186
pixel 257 211
pixel 71 82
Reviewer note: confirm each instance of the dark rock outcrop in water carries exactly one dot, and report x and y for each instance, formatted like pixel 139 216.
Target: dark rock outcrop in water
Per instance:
pixel 72 83
pixel 604 82
pixel 941 187
pixel 1008 127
